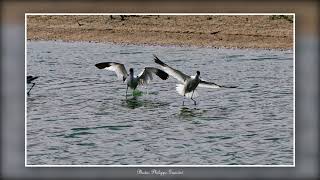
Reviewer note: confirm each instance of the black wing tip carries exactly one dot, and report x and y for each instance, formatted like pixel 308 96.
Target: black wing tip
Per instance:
pixel 163 75
pixel 158 61
pixel 221 86
pixel 31 78
pixel 102 65
pixel 229 86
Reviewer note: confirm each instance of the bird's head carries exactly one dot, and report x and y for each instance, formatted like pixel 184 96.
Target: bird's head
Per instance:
pixel 197 76
pixel 131 70
pixel 198 73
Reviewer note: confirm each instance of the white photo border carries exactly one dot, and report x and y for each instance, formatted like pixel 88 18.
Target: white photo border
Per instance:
pixel 169 14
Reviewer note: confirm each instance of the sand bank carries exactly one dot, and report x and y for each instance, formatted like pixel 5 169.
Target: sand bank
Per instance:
pixel 270 32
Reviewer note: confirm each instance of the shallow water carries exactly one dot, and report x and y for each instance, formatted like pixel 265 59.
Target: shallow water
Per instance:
pixel 78 114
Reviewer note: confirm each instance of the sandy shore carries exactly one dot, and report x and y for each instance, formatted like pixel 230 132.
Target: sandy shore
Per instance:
pixel 270 32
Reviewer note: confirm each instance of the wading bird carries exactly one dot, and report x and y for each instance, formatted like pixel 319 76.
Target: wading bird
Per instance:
pixel 132 81
pixel 189 83
pixel 29 81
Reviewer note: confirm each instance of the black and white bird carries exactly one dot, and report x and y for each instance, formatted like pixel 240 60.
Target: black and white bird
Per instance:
pixel 132 81
pixel 189 83
pixel 29 81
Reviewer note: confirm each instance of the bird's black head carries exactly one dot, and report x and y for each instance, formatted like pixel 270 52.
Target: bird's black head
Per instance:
pixel 131 70
pixel 198 73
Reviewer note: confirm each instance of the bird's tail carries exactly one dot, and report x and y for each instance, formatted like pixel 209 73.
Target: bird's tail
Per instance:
pixel 181 90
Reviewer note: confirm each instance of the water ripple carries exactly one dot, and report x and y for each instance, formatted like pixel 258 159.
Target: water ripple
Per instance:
pixel 75 107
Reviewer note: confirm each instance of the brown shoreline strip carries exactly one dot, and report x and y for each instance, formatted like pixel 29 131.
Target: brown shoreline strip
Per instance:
pixel 254 31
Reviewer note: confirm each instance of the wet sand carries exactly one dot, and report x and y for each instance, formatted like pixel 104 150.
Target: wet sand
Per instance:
pixel 267 32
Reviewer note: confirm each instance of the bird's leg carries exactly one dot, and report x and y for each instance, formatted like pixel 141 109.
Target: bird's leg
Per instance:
pixel 126 91
pixel 195 103
pixel 184 96
pixel 31 88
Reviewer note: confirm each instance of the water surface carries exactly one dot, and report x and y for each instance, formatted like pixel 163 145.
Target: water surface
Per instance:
pixel 78 114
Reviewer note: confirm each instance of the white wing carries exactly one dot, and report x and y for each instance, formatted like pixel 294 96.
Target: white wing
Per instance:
pixel 172 72
pixel 146 75
pixel 118 68
pixel 206 84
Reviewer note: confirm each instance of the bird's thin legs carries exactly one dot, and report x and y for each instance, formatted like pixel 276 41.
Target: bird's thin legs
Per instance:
pixel 31 88
pixel 195 102
pixel 184 96
pixel 126 91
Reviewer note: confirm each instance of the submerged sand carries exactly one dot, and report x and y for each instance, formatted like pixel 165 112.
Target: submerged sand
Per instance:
pixel 270 32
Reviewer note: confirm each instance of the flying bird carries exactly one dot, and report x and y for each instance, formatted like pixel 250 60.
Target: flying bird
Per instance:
pixel 132 81
pixel 189 83
pixel 29 81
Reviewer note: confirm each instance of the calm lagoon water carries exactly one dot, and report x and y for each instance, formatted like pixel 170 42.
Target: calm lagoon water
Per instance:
pixel 78 114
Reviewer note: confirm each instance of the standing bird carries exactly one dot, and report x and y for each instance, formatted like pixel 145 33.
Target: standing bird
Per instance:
pixel 142 79
pixel 29 81
pixel 189 83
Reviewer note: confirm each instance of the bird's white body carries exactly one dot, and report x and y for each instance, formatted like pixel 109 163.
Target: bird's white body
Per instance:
pixel 188 89
pixel 132 81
